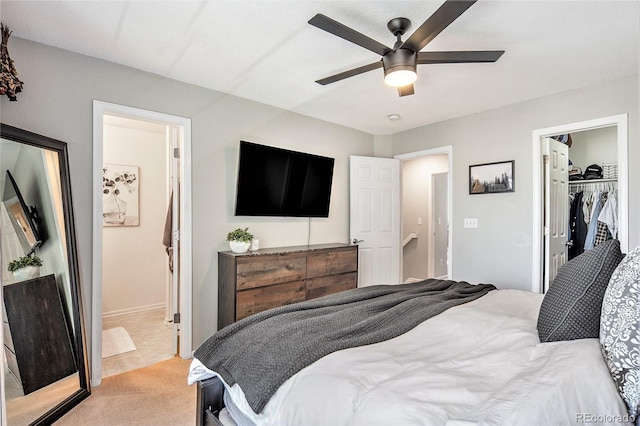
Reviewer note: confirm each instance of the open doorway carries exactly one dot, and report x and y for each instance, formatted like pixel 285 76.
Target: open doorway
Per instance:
pixel 142 234
pixel 137 315
pixel 426 214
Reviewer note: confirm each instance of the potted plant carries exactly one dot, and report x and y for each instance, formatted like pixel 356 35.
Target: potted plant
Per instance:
pixel 25 267
pixel 239 240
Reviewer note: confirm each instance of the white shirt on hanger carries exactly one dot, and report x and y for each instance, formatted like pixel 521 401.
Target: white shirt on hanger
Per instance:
pixel 609 214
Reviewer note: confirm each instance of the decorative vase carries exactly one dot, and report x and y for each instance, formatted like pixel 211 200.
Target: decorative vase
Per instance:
pixel 114 209
pixel 239 246
pixel 26 273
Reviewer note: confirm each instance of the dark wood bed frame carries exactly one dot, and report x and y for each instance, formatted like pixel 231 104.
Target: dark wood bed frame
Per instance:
pixel 210 401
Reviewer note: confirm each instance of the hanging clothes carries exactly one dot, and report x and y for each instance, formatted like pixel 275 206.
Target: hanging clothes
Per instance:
pixel 571 198
pixel 609 214
pixel 593 216
pixel 587 206
pixel 602 234
pixel 596 201
pixel 578 227
pixel 167 235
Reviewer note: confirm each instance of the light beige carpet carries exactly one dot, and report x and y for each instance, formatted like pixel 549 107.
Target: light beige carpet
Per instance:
pixel 155 395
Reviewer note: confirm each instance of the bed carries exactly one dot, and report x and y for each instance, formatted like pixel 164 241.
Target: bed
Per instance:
pixel 502 357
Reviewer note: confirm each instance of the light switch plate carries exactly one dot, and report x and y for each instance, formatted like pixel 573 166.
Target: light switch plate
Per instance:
pixel 470 222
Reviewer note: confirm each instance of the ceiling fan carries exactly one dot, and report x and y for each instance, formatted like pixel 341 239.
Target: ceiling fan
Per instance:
pixel 400 62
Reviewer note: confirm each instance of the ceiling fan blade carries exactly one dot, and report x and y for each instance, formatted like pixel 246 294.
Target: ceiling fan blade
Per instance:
pixel 441 19
pixel 336 28
pixel 459 57
pixel 405 90
pixel 350 73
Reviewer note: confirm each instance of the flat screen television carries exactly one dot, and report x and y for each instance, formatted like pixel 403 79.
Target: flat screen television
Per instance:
pixel 23 218
pixel 279 182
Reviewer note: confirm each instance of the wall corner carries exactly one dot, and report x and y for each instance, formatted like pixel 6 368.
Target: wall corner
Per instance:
pixel 382 146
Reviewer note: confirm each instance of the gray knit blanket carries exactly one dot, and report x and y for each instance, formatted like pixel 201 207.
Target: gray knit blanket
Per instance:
pixel 263 350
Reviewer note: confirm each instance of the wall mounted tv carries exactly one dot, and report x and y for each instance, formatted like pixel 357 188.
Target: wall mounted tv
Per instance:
pixel 279 182
pixel 23 218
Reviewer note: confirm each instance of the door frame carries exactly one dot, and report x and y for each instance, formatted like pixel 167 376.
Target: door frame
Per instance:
pixel 101 108
pixel 447 149
pixel 620 122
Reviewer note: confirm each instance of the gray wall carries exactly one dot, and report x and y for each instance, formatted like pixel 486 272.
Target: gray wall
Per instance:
pixel 59 89
pixel 596 146
pixel 500 251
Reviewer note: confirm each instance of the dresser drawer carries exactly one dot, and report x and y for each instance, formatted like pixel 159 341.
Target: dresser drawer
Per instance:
pixel 252 282
pixel 267 270
pixel 332 262
pixel 321 286
pixel 249 302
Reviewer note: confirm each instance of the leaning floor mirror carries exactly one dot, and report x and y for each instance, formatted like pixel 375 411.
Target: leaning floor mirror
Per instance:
pixel 45 369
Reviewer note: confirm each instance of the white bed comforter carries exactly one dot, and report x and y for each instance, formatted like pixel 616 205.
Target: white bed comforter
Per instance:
pixel 478 363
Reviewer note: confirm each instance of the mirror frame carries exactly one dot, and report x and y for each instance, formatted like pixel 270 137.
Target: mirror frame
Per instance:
pixel 79 341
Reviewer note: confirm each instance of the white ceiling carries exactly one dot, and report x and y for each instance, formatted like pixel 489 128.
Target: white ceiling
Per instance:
pixel 267 52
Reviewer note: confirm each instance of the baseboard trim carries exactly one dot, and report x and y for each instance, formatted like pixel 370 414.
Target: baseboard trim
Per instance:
pixel 132 310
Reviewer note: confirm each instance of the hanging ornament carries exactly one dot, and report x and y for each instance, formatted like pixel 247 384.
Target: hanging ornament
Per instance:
pixel 10 84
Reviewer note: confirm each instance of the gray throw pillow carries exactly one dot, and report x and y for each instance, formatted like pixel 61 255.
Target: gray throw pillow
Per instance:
pixel 620 330
pixel 571 308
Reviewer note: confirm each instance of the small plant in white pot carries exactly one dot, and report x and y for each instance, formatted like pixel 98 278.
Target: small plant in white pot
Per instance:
pixel 25 267
pixel 239 240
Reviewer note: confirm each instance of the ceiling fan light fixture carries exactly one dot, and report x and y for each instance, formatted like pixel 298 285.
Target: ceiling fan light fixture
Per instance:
pixel 400 67
pixel 400 62
pixel 400 77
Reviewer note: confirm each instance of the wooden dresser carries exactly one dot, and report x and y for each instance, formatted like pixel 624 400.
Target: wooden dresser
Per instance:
pixel 256 281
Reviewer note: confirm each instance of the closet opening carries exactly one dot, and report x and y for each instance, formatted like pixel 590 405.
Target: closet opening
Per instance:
pixel 580 192
pixel 593 186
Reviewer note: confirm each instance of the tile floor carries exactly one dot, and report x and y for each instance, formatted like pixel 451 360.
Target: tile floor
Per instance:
pixel 149 333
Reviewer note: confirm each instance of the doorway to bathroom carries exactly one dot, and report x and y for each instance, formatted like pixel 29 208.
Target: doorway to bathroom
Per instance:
pixel 141 306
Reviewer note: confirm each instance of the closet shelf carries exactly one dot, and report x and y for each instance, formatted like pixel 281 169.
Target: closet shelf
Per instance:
pixel 587 181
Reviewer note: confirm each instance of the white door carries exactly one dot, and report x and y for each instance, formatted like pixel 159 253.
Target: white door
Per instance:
pixel 375 218
pixel 556 207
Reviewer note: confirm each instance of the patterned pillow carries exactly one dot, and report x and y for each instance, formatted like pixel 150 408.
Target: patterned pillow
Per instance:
pixel 571 308
pixel 620 330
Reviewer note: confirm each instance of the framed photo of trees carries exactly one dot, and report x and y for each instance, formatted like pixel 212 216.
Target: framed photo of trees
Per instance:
pixel 492 178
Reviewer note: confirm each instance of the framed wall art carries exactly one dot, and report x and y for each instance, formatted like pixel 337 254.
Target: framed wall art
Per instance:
pixel 492 178
pixel 120 195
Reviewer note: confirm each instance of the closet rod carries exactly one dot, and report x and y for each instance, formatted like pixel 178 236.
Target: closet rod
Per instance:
pixel 594 185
